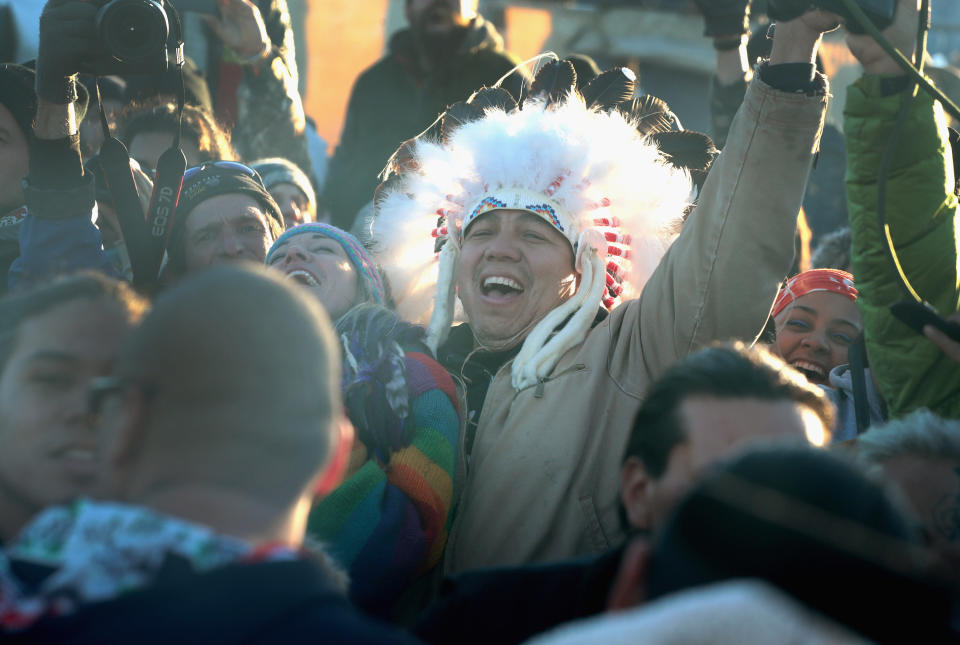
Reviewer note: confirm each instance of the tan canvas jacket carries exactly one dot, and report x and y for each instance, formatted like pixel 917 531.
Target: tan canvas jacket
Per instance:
pixel 544 471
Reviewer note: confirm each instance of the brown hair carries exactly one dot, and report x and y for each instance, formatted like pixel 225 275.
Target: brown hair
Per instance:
pixel 731 370
pixel 159 114
pixel 88 285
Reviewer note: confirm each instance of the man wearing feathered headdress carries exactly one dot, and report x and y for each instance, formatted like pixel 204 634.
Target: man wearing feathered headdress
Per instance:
pixel 550 214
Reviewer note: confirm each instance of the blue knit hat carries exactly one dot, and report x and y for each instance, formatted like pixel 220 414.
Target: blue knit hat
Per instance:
pixel 361 261
pixel 276 170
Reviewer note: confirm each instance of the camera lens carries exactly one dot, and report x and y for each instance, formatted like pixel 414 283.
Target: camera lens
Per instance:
pixel 133 30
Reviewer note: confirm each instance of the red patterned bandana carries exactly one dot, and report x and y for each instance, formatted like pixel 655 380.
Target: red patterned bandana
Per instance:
pixel 832 280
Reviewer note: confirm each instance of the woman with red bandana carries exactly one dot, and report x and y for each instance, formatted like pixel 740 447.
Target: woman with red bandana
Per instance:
pixel 817 321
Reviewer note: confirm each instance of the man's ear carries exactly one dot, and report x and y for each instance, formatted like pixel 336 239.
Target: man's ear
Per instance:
pixel 635 484
pixel 629 586
pixel 338 465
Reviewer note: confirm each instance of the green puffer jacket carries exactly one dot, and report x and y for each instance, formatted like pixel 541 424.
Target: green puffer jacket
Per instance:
pixel 395 100
pixel 922 215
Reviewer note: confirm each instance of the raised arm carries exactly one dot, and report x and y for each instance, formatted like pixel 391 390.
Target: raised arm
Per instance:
pixel 727 22
pixel 720 277
pixel 921 210
pixel 58 234
pixel 270 120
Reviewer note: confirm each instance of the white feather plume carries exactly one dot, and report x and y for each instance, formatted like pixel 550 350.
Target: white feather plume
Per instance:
pixel 599 156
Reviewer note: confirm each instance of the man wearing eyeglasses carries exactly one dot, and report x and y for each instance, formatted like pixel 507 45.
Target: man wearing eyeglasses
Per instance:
pixel 53 341
pixel 213 440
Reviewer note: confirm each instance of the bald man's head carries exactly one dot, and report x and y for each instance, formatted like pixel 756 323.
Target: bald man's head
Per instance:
pixel 236 384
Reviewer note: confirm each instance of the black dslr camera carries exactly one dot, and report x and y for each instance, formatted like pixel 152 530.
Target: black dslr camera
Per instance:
pixel 881 12
pixel 135 37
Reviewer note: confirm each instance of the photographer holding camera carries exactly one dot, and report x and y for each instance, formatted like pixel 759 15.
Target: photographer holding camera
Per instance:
pixel 56 234
pixel 239 218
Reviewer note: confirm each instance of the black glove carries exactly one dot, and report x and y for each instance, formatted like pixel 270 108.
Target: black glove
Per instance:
pixel 784 10
pixel 725 17
pixel 68 34
pixel 880 13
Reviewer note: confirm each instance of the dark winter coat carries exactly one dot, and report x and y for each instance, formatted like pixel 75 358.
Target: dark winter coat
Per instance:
pixel 395 100
pixel 268 602
pixel 526 600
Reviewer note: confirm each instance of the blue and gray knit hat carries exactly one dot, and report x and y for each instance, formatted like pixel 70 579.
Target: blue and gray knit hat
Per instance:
pixel 361 261
pixel 276 170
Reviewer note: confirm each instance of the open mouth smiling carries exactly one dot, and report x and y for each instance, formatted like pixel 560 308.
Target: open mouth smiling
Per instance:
pixel 812 371
pixel 303 277
pixel 500 288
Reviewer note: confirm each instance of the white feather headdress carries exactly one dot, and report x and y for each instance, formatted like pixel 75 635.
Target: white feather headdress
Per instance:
pixel 587 171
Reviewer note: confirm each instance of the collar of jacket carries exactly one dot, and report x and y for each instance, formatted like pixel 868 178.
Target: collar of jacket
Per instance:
pixel 481 34
pixel 460 349
pixel 10 223
pixel 97 551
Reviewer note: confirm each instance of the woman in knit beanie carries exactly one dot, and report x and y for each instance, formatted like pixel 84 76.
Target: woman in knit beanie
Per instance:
pixel 331 263
pixel 388 520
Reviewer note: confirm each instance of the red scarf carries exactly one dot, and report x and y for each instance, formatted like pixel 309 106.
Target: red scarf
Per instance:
pixel 832 280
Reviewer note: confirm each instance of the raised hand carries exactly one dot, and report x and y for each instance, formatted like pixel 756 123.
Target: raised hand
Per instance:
pixel 241 28
pixel 68 35
pixel 725 18
pixel 902 34
pixel 797 40
pixel 949 346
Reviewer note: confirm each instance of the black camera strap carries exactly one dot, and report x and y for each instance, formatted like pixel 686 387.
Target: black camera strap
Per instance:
pixel 168 179
pixel 857 359
pixel 115 161
pixel 146 235
pixel 163 204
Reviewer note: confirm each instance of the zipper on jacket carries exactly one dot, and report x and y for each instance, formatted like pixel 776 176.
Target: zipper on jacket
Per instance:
pixel 538 393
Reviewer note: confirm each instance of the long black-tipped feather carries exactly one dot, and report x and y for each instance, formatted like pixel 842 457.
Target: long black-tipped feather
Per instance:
pixel 385 186
pixel 650 104
pixel 401 161
pixel 687 149
pixel 456 115
pixel 610 88
pixel 493 97
pixel 554 81
pixel 693 151
pixel 652 115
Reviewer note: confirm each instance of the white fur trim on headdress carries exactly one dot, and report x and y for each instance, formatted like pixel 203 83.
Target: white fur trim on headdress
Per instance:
pixel 439 327
pixel 589 173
